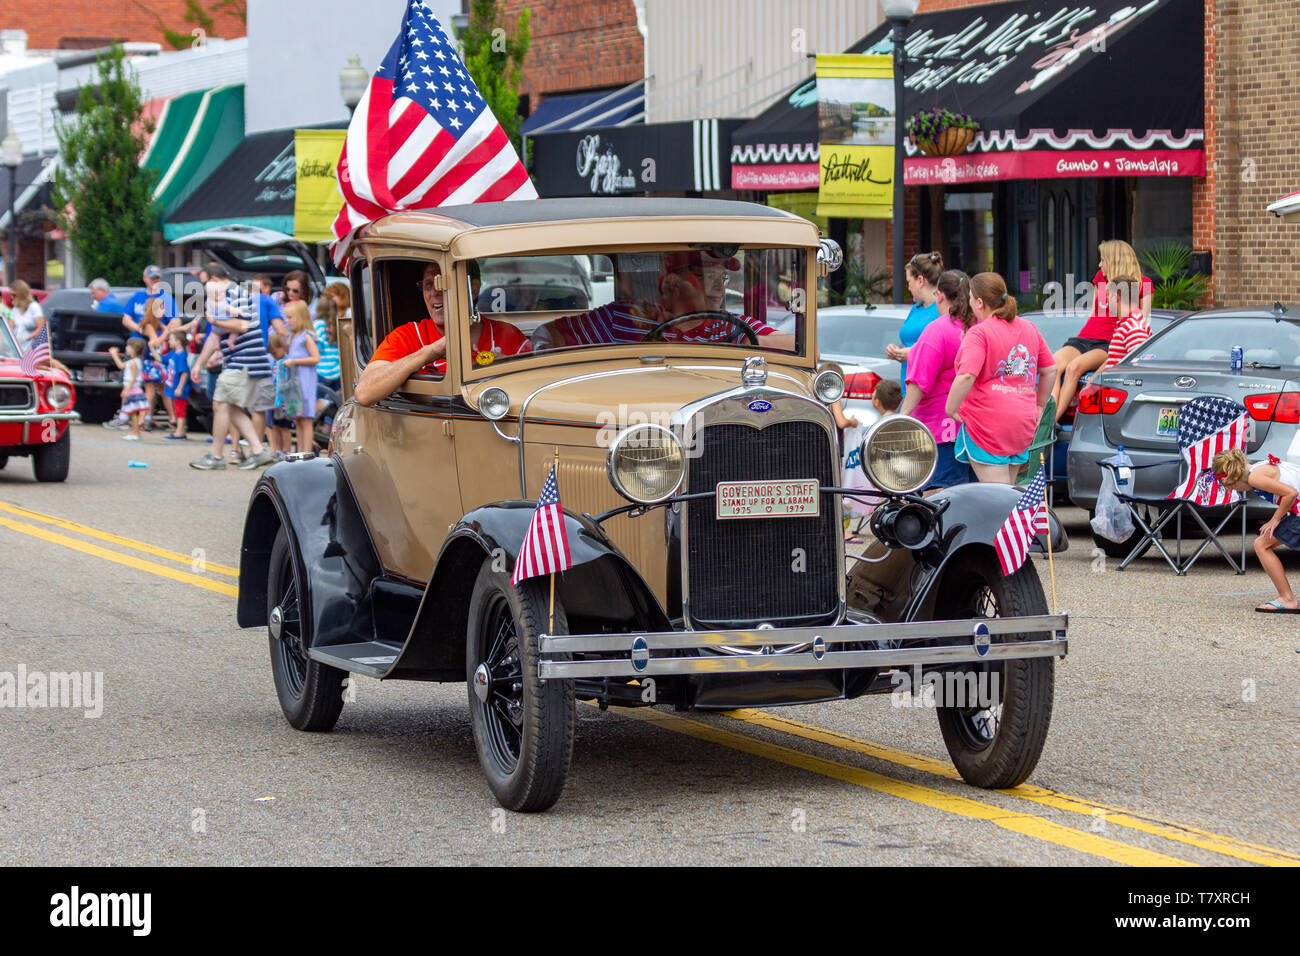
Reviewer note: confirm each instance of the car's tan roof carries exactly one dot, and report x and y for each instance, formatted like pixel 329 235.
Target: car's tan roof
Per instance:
pixel 505 227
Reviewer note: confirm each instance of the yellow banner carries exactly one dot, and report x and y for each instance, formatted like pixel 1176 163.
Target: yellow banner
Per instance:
pixel 316 201
pixel 857 119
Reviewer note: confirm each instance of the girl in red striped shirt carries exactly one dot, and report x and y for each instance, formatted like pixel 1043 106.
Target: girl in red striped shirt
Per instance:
pixel 1133 328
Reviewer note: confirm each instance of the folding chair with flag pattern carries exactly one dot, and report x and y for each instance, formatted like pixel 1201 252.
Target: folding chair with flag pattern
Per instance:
pixel 1206 426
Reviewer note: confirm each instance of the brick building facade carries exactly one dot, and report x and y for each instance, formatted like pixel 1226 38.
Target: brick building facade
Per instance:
pixel 81 24
pixel 578 45
pixel 1257 126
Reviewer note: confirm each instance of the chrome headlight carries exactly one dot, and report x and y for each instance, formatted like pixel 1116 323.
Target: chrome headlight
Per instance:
pixel 59 396
pixel 493 403
pixel 646 464
pixel 828 386
pixel 899 454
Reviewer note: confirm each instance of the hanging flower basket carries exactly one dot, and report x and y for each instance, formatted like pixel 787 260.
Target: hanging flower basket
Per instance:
pixel 941 132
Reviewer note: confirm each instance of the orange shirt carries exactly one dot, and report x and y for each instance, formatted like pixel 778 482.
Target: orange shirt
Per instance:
pixel 497 339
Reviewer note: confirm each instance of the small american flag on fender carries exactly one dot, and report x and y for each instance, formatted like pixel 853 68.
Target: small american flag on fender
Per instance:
pixel 1027 520
pixel 38 352
pixel 422 136
pixel 546 545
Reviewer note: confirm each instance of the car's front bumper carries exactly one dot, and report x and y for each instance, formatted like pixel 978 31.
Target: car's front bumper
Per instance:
pixel 683 653
pixel 29 428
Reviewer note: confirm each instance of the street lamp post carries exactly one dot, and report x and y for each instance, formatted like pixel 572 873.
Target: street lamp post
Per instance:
pixel 899 13
pixel 353 80
pixel 11 154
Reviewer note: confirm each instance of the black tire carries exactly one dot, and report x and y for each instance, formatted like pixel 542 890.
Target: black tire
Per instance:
pixel 1118 550
pixel 311 693
pixel 523 730
pixel 999 746
pixel 50 462
pixel 4 460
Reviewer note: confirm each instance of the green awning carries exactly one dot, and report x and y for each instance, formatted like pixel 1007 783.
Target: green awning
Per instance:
pixel 196 132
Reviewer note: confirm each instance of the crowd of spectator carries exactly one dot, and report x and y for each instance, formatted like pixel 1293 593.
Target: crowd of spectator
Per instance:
pixel 257 352
pixel 982 378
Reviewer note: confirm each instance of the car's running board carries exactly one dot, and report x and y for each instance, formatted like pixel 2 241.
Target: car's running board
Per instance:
pixel 371 659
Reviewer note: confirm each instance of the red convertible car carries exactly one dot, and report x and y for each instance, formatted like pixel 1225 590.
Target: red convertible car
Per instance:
pixel 34 413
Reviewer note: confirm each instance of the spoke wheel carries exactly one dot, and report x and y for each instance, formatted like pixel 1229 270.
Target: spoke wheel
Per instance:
pixel 311 693
pixel 523 725
pixel 995 741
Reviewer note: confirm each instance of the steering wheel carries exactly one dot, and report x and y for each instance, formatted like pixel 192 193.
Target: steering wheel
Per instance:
pixel 657 332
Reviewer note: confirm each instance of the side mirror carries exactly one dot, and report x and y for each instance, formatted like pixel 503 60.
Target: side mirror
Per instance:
pixel 830 254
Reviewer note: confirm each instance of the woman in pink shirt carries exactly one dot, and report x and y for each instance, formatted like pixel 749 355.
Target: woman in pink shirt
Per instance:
pixel 931 368
pixel 1005 374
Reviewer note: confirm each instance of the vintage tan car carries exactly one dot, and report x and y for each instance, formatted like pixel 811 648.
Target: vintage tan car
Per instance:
pixel 661 355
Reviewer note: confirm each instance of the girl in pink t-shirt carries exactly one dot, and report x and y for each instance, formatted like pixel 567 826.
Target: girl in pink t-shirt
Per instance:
pixel 931 369
pixel 1005 374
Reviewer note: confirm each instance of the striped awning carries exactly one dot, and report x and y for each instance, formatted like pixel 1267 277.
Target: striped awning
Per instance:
pixel 195 133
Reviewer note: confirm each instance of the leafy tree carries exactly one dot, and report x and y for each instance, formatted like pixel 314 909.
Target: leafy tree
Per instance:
pixel 494 58
pixel 107 197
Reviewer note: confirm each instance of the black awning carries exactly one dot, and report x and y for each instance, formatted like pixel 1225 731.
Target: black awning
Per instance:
pixel 595 108
pixel 660 157
pixel 1036 75
pixel 254 186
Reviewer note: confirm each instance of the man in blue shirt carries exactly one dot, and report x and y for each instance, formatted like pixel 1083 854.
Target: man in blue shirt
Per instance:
pixel 103 297
pixel 153 288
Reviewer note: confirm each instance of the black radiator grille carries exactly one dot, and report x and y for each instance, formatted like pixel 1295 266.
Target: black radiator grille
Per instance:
pixel 749 570
pixel 16 395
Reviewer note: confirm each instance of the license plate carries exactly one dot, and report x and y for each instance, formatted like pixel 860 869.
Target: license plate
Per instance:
pixel 795 498
pixel 1167 423
pixel 94 373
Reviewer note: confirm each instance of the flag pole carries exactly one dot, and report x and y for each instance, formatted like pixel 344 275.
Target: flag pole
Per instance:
pixel 1051 565
pixel 550 624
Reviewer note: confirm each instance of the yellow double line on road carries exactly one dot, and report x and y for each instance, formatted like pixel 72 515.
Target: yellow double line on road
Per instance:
pixel 38 525
pixel 117 557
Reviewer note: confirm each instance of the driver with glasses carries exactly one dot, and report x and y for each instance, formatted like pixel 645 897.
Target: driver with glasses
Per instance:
pixel 692 289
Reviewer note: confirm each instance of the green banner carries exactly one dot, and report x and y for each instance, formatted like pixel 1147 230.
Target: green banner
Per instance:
pixel 857 119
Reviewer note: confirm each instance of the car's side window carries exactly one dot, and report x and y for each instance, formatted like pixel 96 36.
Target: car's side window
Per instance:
pixel 362 320
pixel 400 299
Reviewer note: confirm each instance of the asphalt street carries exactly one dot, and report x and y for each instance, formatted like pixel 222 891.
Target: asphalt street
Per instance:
pixel 1173 741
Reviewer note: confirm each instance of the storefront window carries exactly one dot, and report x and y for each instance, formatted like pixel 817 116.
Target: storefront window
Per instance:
pixel 1163 210
pixel 968 227
pixel 1028 264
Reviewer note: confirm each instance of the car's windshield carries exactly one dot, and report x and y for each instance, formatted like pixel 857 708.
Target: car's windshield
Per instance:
pixel 8 347
pixel 851 334
pixel 1265 342
pixel 722 295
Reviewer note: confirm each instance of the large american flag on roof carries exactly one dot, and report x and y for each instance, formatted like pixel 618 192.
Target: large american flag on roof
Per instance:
pixel 422 135
pixel 1206 426
pixel 1027 520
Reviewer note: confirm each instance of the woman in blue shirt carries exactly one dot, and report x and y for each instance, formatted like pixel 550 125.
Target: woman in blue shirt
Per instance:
pixel 923 271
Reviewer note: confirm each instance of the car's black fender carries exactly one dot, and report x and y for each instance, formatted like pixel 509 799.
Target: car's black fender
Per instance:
pixel 601 591
pixel 313 502
pixel 905 585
